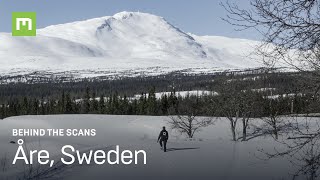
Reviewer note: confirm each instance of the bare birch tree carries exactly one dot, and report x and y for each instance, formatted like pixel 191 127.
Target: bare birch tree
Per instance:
pixel 189 124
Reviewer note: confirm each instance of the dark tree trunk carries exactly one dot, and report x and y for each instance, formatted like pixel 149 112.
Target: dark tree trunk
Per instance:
pixel 244 130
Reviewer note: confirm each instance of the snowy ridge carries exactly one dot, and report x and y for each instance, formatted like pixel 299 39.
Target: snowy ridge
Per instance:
pixel 131 42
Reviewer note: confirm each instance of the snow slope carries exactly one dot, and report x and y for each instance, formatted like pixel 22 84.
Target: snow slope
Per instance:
pixel 211 155
pixel 126 41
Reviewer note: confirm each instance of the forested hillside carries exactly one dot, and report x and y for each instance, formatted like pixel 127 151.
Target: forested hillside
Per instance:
pixel 287 92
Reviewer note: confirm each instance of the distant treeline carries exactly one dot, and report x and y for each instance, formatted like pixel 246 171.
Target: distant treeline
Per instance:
pixel 256 93
pixel 282 82
pixel 258 104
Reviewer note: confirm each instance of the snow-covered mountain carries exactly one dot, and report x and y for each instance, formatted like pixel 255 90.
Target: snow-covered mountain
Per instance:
pixel 125 44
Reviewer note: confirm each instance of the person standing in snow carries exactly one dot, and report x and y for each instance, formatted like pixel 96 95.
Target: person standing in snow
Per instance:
pixel 163 138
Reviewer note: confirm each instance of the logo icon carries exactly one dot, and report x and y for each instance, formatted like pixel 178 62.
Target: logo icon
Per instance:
pixel 24 24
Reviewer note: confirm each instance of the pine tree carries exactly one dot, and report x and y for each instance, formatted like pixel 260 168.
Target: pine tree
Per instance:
pixel 63 103
pixel 164 105
pixel 42 106
pixel 69 109
pixel 152 102
pixel 142 104
pixel 109 105
pixel 134 109
pixel 52 107
pixel 35 107
pixel 87 101
pixel 125 105
pixel 102 105
pixel 75 106
pixel 172 101
pixel 95 104
pixel 115 104
pixel 25 106
pixel 3 111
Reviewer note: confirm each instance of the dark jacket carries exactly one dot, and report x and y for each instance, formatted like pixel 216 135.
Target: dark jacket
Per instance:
pixel 163 136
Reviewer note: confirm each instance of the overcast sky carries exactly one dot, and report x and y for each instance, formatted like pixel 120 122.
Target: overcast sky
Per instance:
pixel 201 17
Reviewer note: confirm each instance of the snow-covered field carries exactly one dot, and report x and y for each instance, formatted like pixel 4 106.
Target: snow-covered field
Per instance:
pixel 210 155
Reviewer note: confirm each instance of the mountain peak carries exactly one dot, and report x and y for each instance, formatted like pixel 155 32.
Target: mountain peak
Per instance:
pixel 127 14
pixel 141 33
pixel 125 39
